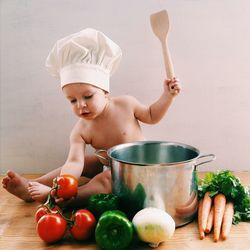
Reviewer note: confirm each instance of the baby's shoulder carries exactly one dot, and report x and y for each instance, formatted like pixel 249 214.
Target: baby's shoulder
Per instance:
pixel 124 99
pixel 81 130
pixel 79 126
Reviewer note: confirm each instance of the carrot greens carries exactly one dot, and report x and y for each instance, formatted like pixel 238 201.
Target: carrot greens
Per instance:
pixel 228 184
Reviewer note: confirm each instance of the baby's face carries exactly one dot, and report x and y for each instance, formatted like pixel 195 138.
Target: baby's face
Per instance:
pixel 87 101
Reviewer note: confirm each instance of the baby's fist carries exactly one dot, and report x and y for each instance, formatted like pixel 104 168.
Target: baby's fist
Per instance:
pixel 172 86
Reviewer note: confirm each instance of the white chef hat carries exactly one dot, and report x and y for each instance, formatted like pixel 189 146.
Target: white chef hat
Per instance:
pixel 85 57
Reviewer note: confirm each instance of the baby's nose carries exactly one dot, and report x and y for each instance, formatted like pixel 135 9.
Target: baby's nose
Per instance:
pixel 81 104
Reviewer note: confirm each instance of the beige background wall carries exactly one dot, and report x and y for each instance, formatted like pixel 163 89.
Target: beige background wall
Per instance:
pixel 209 42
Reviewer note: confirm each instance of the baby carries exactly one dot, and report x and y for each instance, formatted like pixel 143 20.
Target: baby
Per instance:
pixel 84 62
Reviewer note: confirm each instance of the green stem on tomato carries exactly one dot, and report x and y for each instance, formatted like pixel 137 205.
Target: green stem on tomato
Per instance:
pixel 69 221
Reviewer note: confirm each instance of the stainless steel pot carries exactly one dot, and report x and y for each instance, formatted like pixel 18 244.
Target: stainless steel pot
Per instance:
pixel 156 174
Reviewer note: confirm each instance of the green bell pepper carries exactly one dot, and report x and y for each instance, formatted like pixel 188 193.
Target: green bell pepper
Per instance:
pixel 99 203
pixel 113 231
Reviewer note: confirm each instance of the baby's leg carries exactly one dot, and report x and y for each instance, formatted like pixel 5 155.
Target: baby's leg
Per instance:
pixel 38 191
pixel 29 189
pixel 40 188
pixel 48 178
pixel 92 167
pixel 101 183
pixel 17 185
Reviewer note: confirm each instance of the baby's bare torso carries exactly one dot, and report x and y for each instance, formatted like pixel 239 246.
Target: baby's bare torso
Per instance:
pixel 118 125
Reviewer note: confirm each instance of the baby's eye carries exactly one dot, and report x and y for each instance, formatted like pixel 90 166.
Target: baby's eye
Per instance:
pixel 73 101
pixel 87 97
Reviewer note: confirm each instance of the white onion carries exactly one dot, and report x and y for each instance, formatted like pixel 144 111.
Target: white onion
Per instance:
pixel 153 225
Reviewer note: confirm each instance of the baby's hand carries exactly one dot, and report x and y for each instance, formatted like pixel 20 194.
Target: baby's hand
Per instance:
pixel 53 193
pixel 64 189
pixel 60 201
pixel 172 87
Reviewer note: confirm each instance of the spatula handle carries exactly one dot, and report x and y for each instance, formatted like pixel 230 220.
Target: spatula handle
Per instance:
pixel 167 60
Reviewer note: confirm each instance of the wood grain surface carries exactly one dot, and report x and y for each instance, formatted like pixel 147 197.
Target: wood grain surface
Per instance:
pixel 18 230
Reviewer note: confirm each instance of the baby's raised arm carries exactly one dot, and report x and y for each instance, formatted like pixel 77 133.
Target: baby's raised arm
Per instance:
pixel 155 112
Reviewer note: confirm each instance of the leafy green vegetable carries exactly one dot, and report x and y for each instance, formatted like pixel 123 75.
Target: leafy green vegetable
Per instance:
pixel 225 182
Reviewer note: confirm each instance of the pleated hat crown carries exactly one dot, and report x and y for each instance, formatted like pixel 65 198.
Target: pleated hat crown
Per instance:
pixel 84 57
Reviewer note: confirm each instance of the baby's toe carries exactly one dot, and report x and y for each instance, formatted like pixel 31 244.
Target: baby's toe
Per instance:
pixel 11 174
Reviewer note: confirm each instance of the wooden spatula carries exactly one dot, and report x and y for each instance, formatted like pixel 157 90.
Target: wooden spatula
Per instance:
pixel 160 26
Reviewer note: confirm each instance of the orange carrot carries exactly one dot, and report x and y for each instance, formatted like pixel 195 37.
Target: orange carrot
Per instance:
pixel 219 207
pixel 207 202
pixel 210 221
pixel 227 220
pixel 201 232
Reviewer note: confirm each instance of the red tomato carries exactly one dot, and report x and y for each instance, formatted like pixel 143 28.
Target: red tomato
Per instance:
pixel 51 228
pixel 66 186
pixel 41 211
pixel 84 224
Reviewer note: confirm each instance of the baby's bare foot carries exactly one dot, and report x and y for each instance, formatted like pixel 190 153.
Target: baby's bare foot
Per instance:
pixel 17 185
pixel 38 191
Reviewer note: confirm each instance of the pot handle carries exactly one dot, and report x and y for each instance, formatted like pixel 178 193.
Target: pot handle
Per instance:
pixel 104 160
pixel 213 157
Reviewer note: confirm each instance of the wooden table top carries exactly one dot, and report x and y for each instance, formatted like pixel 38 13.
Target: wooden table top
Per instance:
pixel 18 230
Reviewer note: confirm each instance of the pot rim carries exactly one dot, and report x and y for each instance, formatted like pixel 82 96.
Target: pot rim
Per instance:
pixel 126 145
